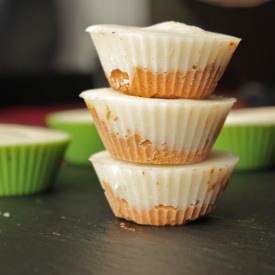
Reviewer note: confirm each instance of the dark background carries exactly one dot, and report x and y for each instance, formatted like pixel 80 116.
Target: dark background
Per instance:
pixel 250 74
pixel 30 39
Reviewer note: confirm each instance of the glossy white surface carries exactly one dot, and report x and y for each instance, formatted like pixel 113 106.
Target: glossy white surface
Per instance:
pixel 179 124
pixel 12 134
pixel 147 186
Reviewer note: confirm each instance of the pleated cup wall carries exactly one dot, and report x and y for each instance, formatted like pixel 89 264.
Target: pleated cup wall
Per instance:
pixel 163 66
pixel 30 168
pixel 163 195
pixel 255 144
pixel 84 136
pixel 156 131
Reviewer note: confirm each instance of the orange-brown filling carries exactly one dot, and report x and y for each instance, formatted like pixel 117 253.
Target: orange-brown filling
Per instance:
pixel 136 148
pixel 196 83
pixel 158 215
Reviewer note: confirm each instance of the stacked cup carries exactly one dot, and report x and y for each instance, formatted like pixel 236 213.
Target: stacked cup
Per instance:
pixel 159 120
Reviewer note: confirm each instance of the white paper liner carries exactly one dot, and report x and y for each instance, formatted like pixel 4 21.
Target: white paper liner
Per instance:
pixel 134 191
pixel 198 62
pixel 160 131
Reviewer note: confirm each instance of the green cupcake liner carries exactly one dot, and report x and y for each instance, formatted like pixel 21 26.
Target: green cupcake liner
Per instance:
pixel 254 144
pixel 85 139
pixel 30 167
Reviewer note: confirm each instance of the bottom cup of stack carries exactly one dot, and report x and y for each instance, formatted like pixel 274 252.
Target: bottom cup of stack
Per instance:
pixel 163 194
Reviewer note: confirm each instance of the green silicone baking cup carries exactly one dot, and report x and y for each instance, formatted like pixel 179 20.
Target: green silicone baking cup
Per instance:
pixel 30 168
pixel 85 139
pixel 254 144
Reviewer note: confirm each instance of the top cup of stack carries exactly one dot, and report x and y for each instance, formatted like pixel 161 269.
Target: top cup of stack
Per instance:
pixel 166 60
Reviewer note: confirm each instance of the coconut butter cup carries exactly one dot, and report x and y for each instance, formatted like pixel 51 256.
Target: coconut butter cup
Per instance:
pixel 79 125
pixel 163 194
pixel 250 133
pixel 156 131
pixel 167 60
pixel 29 158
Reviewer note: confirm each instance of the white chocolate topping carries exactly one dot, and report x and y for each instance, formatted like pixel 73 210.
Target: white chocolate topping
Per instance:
pixel 170 28
pixel 252 116
pixel 110 95
pixel 73 116
pixel 179 124
pixel 165 47
pixel 13 134
pixel 215 159
pixel 176 27
pixel 145 187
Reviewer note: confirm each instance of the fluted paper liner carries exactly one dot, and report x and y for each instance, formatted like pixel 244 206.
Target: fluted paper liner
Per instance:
pixel 149 63
pixel 160 194
pixel 29 158
pixel 156 131
pixel 79 125
pixel 250 133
